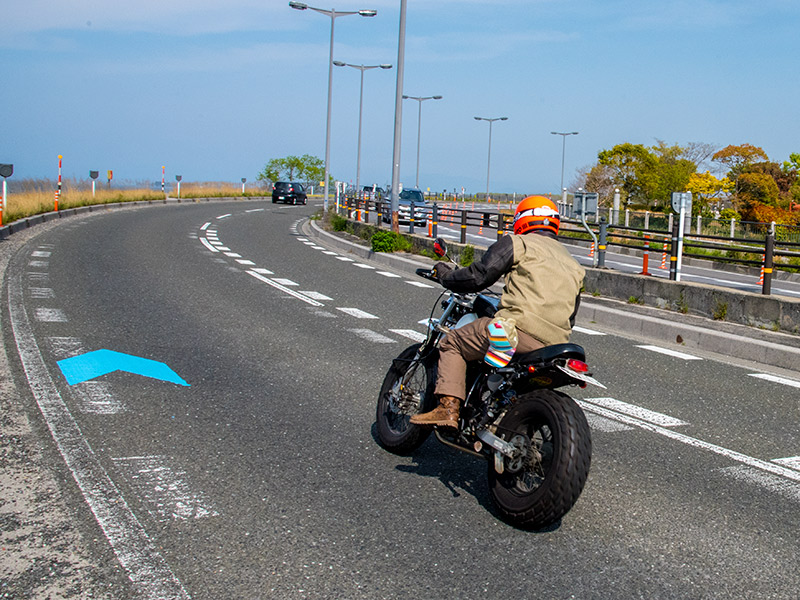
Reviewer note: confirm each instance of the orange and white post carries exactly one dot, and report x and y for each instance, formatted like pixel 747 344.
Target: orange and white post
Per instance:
pixel 58 191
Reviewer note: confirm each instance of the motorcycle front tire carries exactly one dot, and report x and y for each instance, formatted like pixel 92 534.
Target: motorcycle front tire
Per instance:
pixel 548 485
pixel 395 433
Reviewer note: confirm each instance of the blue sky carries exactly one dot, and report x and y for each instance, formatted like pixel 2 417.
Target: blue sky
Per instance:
pixel 213 90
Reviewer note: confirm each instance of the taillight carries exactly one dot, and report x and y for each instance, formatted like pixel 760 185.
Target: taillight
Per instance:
pixel 577 365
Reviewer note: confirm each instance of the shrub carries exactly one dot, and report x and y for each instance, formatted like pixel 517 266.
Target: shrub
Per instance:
pixel 467 256
pixel 338 223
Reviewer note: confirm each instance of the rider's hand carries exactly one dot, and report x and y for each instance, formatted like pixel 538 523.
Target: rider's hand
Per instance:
pixel 440 269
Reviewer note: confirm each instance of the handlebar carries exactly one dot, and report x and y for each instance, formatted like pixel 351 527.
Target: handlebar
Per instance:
pixel 427 274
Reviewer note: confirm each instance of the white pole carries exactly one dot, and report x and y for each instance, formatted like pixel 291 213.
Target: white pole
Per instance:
pixel 681 230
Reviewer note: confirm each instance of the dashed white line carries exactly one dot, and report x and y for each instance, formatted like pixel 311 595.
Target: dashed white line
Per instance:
pixel 232 254
pixel 244 261
pixel 224 216
pixel 284 281
pixel 355 312
pixel 587 331
pixel 373 336
pixel 315 295
pixel 262 271
pixel 387 274
pixel 419 284
pixel 344 259
pixel 50 315
pixel 363 266
pixel 208 245
pixel 668 352
pixel 411 334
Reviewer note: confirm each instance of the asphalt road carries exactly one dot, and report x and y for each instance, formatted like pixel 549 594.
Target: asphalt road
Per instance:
pixel 261 478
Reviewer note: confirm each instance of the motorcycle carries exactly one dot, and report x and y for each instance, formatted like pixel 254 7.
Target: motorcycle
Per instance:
pixel 534 437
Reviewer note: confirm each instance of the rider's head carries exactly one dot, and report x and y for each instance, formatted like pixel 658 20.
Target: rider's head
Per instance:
pixel 536 214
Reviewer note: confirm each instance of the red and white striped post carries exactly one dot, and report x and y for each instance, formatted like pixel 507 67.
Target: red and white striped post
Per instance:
pixel 58 191
pixel 163 172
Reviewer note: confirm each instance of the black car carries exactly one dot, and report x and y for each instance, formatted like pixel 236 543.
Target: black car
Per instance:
pixel 286 192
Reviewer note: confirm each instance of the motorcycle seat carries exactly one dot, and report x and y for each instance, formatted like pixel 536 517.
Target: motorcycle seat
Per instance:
pixel 549 353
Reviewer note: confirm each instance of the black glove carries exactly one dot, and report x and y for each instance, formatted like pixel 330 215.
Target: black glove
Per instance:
pixel 440 269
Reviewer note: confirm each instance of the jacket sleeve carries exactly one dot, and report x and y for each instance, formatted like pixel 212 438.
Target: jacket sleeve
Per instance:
pixel 496 262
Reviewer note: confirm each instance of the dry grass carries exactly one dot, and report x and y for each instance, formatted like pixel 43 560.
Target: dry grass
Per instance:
pixel 34 196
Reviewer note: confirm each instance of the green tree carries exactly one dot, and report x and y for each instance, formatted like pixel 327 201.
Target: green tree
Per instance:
pixel 627 163
pixel 755 189
pixel 307 169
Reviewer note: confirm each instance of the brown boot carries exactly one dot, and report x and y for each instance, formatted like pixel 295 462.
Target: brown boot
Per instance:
pixel 444 415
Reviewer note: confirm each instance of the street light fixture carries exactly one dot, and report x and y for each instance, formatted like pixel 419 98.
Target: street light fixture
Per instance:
pixel 563 135
pixel 489 161
pixel 361 68
pixel 332 14
pixel 420 100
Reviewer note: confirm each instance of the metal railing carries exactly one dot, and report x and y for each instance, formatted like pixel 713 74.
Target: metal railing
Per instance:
pixel 763 245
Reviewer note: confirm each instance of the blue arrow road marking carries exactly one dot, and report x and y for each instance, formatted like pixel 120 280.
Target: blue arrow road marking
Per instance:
pixel 101 362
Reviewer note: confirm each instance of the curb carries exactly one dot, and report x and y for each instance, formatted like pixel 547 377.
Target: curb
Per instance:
pixel 666 327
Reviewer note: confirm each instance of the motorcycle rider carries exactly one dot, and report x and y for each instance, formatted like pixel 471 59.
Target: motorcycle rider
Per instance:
pixel 541 295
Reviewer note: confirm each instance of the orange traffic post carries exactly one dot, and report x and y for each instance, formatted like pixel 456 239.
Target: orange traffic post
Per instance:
pixel 646 256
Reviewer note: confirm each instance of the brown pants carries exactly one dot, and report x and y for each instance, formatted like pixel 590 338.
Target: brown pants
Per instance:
pixel 464 345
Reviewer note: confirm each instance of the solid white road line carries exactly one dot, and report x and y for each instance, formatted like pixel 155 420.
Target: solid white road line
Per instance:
pixel 283 288
pixel 637 411
pixel 148 571
pixel 750 461
pixel 776 379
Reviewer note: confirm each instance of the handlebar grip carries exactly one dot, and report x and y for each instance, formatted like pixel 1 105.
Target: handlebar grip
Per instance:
pixel 426 273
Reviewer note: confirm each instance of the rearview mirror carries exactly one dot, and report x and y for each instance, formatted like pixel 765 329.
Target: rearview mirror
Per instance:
pixel 439 247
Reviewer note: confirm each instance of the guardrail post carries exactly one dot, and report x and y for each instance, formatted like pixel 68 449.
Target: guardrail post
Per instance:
pixel 463 226
pixel 733 227
pixel 601 244
pixel 627 217
pixel 378 212
pixel 769 250
pixel 501 225
pixel 646 256
pixel 435 225
pixel 411 219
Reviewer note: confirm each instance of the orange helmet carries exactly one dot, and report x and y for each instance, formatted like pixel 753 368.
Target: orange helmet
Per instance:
pixel 536 213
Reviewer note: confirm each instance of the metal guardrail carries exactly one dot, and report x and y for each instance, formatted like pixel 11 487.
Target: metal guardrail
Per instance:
pixel 750 251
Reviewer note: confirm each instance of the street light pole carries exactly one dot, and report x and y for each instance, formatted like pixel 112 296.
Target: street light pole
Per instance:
pixel 489 161
pixel 361 68
pixel 563 135
pixel 398 117
pixel 332 14
pixel 420 100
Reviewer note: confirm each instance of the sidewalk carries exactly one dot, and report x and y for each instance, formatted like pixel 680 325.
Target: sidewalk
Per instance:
pixel 649 324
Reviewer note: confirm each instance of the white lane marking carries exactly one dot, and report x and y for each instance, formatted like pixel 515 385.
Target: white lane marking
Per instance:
pixel 40 293
pixel 302 239
pixel 283 288
pixel 315 295
pixel 344 258
pixel 224 216
pixel 776 379
pixel 223 249
pixel 793 462
pixel 254 210
pixel 789 489
pixel 410 334
pixel 38 277
pixel 637 411
pixel 148 571
pixel 232 254
pixel 95 397
pixel 263 271
pixel 215 242
pixel 387 274
pixel 40 254
pixel 419 284
pixel 363 266
pixel 50 315
pixel 329 253
pixel 208 245
pixel 373 336
pixel 587 331
pixel 605 425
pixel 757 463
pixel 318 247
pixel 165 489
pixel 244 261
pixel 310 243
pixel 205 226
pixel 39 263
pixel 284 281
pixel 355 312
pixel 668 352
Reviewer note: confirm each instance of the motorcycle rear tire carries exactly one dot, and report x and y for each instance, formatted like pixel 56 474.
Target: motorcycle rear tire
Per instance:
pixel 395 433
pixel 532 499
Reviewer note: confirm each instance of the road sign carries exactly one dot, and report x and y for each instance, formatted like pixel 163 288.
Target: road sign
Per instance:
pixel 92 365
pixel 6 170
pixel 682 197
pixel 585 201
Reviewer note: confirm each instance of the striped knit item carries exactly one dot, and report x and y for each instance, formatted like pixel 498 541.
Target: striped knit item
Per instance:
pixel 502 342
